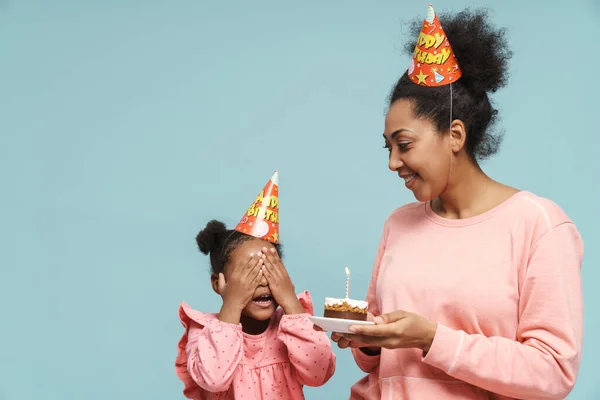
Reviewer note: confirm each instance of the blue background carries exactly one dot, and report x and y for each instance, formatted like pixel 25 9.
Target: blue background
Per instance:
pixel 125 126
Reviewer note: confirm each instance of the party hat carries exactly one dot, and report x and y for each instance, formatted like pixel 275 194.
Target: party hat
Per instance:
pixel 433 62
pixel 262 218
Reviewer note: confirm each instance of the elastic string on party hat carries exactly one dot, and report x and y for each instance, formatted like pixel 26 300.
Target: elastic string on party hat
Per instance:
pixel 450 126
pixel 226 240
pixel 450 133
pixel 449 149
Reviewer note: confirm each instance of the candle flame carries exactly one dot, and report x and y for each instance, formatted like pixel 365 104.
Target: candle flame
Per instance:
pixel 347 271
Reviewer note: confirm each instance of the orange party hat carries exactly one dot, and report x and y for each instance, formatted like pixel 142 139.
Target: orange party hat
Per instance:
pixel 433 62
pixel 262 218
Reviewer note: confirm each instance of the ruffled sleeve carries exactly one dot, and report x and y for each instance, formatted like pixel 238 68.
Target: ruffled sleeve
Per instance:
pixel 309 351
pixel 208 353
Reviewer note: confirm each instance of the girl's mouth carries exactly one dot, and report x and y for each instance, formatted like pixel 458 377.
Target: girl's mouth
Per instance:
pixel 263 301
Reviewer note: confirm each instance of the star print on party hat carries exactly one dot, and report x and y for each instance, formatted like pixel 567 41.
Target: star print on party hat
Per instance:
pixel 433 62
pixel 262 218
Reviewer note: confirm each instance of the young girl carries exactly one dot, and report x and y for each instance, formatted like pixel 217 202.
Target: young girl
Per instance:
pixel 251 349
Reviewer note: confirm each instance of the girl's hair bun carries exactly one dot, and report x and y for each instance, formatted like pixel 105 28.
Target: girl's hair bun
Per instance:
pixel 211 236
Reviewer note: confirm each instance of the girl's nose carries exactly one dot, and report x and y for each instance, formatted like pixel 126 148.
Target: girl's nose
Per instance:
pixel 263 281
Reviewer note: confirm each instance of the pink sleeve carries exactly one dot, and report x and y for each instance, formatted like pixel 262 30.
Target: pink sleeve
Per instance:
pixel 364 361
pixel 309 350
pixel 213 353
pixel 543 362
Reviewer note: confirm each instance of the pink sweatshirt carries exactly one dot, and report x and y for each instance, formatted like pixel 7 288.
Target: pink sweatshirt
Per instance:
pixel 505 290
pixel 216 360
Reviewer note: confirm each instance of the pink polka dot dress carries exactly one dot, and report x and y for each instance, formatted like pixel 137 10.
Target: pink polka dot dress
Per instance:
pixel 216 360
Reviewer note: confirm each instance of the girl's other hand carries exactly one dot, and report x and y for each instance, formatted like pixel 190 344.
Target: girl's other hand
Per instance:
pixel 280 283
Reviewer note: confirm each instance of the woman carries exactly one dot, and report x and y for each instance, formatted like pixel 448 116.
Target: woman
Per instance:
pixel 476 288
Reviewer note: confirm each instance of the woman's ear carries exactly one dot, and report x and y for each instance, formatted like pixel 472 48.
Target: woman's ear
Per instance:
pixel 458 135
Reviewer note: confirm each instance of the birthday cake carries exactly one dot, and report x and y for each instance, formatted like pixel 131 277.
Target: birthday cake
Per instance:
pixel 345 309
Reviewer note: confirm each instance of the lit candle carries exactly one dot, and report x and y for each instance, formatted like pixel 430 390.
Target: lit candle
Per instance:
pixel 347 283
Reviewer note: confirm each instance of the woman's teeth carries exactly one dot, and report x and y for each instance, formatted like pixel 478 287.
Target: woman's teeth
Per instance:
pixel 410 178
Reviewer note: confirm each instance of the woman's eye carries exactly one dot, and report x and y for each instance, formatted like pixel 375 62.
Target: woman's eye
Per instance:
pixel 403 146
pixel 387 146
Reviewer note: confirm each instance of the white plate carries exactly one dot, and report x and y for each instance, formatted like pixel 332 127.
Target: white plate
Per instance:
pixel 337 324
